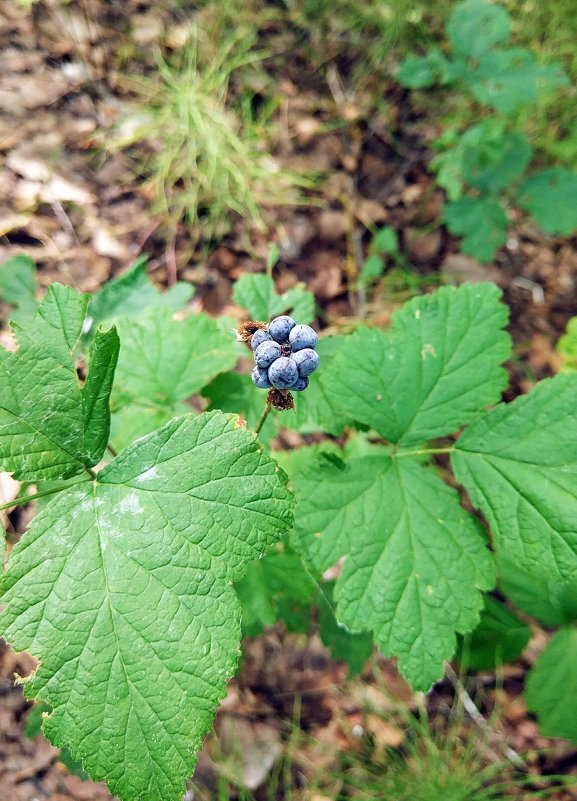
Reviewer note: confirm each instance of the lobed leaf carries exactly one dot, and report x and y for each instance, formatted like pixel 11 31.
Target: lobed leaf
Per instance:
pixel 41 417
pixel 567 346
pixel 496 160
pixel 475 26
pixel 18 286
pixel 351 647
pixel 555 670
pixel 257 294
pixel 500 637
pixel 233 392
pixel 96 394
pixel 164 360
pixel 122 588
pixel 508 79
pixel 276 587
pixel 131 293
pixel 519 466
pixel 420 72
pixel 482 223
pixel 415 560
pixel 549 196
pixel 553 603
pixel 437 370
pixel 317 409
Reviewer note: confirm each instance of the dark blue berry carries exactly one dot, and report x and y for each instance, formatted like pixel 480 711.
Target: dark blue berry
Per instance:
pixel 280 327
pixel 301 383
pixel 266 353
pixel 283 373
pixel 260 378
pixel 260 335
pixel 307 360
pixel 302 336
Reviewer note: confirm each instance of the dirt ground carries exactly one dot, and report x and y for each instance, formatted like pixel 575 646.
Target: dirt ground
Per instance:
pixel 83 216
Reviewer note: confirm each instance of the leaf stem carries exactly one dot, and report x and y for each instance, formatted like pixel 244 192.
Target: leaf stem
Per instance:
pixel 112 450
pixel 424 452
pixel 262 418
pixel 27 498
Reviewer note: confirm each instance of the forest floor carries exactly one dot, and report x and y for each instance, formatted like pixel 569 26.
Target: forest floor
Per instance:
pixel 83 216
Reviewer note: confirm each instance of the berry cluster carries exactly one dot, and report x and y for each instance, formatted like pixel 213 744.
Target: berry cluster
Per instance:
pixel 284 354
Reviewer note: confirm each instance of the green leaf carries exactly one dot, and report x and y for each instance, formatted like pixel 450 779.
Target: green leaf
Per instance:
pixel 437 370
pixel 422 72
pixel 96 393
pixel 373 267
pixel 484 156
pixel 495 162
pixel 257 294
pixel 567 345
pixel 415 559
pixel 293 462
pixel 134 420
pixel 481 221
pixel 273 255
pixel 519 465
pixel 132 293
pixel 33 725
pixel 449 169
pixel 499 638
pixel 553 603
pixel 232 392
pixel 41 418
pixel 18 286
pixel 549 196
pixel 276 587
pixel 354 648
pixel 386 240
pixel 121 588
pixel 551 682
pixel 317 409
pixel 508 79
pixel 163 360
pixel 476 26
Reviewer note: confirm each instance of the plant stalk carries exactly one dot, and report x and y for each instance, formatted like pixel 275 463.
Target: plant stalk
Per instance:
pixel 27 498
pixel 424 452
pixel 262 418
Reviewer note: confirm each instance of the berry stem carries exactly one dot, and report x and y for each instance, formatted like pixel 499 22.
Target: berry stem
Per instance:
pixel 424 452
pixel 26 498
pixel 262 418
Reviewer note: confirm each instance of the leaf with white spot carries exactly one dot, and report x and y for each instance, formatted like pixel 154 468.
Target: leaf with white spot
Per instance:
pixel 122 588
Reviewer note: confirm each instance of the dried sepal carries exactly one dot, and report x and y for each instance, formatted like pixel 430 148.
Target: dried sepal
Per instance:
pixel 280 399
pixel 246 330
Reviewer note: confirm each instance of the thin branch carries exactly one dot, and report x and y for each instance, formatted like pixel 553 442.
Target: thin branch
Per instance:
pixel 476 716
pixel 423 452
pixel 26 498
pixel 262 418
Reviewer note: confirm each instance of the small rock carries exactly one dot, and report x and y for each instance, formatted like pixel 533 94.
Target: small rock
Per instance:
pixel 332 225
pixel 423 249
pixel 459 269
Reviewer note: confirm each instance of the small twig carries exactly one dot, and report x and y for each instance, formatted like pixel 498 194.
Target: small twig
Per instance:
pixel 64 220
pixel 136 248
pixel 357 243
pixel 170 256
pixel 264 415
pixel 476 716
pixel 112 450
pixel 26 498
